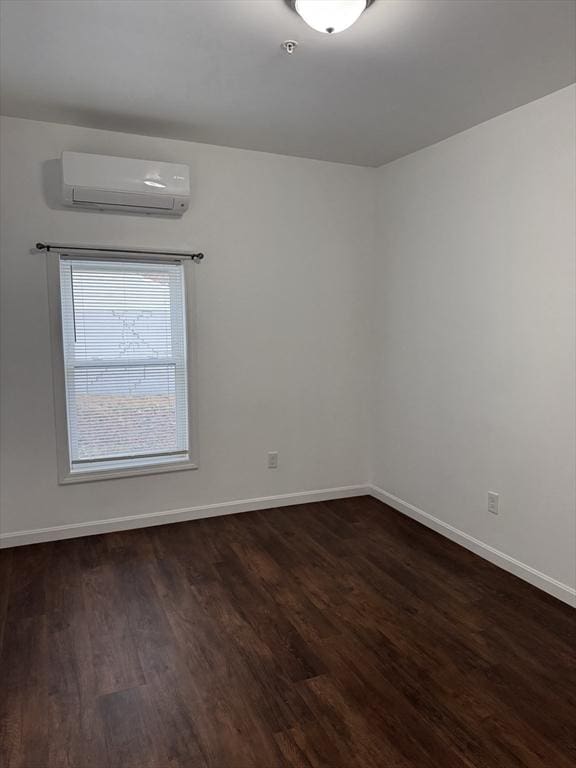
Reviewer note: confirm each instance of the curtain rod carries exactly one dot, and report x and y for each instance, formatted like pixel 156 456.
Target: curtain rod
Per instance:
pixel 131 252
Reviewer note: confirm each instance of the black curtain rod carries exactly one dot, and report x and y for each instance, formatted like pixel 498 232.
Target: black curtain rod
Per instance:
pixel 61 247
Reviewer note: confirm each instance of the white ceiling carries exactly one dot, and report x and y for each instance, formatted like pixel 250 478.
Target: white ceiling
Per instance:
pixel 407 74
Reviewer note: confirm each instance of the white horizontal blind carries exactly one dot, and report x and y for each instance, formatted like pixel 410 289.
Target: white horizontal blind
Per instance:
pixel 124 341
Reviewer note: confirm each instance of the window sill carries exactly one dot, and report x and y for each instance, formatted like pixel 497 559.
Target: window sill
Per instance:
pixel 76 476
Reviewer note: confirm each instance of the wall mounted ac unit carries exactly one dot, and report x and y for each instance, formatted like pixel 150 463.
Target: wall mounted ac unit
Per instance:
pixel 123 184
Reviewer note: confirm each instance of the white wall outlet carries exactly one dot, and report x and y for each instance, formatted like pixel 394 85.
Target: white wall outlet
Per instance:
pixel 273 460
pixel 493 502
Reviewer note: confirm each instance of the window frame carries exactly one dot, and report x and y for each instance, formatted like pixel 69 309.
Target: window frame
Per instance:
pixel 67 475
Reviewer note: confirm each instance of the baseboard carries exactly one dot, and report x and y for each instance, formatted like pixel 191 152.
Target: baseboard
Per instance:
pixel 531 575
pixel 74 530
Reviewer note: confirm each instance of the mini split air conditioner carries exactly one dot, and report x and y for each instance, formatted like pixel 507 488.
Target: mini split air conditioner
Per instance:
pixel 123 184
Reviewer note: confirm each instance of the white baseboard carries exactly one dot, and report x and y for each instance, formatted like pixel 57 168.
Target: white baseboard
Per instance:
pixel 536 578
pixel 54 533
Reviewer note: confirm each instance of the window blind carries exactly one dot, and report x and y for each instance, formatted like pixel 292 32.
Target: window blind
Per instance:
pixel 124 343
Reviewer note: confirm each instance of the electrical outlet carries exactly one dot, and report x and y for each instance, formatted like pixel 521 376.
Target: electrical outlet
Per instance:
pixel 273 460
pixel 493 502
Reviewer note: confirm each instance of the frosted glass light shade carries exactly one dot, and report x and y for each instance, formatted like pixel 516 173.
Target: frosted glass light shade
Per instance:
pixel 330 16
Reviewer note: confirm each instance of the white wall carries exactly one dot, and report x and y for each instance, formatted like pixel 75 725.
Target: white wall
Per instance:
pixel 474 378
pixel 282 342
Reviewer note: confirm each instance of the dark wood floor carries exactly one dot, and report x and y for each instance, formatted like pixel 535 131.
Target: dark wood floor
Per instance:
pixel 333 634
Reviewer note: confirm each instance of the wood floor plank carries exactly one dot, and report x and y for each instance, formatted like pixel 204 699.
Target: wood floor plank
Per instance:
pixel 332 635
pixel 114 657
pixel 129 743
pixel 5 574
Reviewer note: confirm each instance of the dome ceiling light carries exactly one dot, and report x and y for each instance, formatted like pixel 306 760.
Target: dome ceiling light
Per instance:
pixel 330 16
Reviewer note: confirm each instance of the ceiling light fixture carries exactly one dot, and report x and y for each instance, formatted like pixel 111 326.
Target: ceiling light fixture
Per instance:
pixel 330 16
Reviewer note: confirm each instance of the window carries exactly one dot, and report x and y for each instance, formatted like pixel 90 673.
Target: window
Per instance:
pixel 122 367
